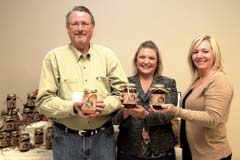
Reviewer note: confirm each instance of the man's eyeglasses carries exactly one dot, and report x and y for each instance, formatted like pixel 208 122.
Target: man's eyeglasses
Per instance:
pixel 77 24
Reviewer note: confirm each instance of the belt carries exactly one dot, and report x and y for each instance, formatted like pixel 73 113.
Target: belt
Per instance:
pixel 84 133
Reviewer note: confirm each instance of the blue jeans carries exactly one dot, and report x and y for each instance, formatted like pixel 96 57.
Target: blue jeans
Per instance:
pixel 71 146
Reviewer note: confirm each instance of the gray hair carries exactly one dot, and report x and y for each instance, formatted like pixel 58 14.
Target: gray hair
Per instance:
pixel 80 9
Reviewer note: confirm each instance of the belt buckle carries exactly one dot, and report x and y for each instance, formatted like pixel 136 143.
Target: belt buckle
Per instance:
pixel 82 133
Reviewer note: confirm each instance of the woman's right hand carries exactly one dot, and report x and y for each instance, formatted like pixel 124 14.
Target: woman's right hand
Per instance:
pixel 137 112
pixel 165 109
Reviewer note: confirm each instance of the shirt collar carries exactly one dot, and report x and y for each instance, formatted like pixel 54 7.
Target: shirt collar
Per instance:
pixel 79 55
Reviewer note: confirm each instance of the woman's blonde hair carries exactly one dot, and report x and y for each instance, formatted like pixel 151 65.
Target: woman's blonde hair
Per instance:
pixel 217 61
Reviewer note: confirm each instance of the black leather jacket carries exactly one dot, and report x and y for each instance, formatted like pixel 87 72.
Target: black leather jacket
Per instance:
pixel 130 140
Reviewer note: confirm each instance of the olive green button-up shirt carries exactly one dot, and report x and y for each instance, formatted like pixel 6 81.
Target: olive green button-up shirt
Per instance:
pixel 66 71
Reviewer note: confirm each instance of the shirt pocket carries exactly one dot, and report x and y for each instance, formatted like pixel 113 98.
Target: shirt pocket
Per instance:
pixel 68 86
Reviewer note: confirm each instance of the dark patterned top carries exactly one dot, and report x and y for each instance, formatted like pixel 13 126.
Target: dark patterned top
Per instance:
pixel 130 140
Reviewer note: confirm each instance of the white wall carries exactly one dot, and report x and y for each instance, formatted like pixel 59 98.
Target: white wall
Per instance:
pixel 29 28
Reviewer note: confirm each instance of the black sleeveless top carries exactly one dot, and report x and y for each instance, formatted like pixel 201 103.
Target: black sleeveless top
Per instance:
pixel 186 153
